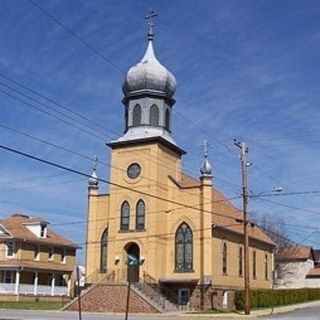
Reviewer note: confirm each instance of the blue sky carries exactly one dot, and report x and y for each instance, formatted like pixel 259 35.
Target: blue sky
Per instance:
pixel 245 69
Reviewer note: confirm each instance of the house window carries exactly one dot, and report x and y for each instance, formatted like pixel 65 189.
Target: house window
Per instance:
pixel 140 215
pixel 224 259
pixel 50 253
pixel 104 251
pixel 10 249
pixel 43 231
pixel 125 216
pixel 240 262
pixel 183 296
pixel 184 244
pixel 63 256
pixel 254 264
pixel 8 276
pixel 136 118
pixel 167 120
pixel 37 252
pixel 266 267
pixel 154 115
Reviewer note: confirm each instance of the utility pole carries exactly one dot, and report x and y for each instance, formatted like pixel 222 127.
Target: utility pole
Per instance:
pixel 244 174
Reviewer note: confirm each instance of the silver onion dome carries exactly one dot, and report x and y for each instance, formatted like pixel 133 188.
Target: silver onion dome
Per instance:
pixel 149 75
pixel 206 169
pixel 93 180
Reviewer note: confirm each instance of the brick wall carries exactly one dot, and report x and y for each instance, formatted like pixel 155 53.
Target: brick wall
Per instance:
pixel 110 297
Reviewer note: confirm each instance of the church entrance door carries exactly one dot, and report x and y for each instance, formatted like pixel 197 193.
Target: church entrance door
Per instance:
pixel 133 262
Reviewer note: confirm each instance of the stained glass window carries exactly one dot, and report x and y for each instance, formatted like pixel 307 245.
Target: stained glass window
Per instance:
pixel 240 262
pixel 254 264
pixel 225 259
pixel 140 215
pixel 184 248
pixel 125 216
pixel 104 250
pixel 266 267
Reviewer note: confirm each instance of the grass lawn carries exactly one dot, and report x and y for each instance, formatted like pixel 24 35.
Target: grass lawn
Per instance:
pixel 31 305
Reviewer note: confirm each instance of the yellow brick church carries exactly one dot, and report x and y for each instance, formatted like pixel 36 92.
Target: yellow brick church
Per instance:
pixel 157 227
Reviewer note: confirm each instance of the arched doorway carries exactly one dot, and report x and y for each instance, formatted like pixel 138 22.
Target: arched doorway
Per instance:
pixel 133 261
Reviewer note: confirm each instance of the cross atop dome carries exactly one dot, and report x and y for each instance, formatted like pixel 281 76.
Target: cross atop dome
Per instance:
pixel 152 14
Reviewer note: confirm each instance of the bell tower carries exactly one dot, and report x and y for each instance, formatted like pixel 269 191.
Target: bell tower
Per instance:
pixel 143 159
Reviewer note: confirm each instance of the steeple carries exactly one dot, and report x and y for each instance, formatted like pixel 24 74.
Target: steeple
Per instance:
pixel 206 169
pixel 148 91
pixel 93 181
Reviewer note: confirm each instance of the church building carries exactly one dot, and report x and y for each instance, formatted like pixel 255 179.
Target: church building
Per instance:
pixel 159 228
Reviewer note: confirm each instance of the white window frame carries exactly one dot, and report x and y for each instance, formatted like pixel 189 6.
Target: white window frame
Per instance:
pixel 43 230
pixel 37 257
pixel 64 256
pixel 51 250
pixel 13 249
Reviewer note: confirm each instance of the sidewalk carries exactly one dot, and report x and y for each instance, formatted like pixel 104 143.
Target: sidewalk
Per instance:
pixel 254 314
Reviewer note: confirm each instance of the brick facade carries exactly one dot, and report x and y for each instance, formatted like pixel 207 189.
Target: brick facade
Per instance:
pixel 111 297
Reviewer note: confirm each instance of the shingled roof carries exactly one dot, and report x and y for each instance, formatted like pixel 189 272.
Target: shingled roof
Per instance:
pixel 296 253
pixel 224 213
pixel 15 227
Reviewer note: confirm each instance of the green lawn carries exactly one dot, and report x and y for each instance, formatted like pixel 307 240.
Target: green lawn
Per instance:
pixel 31 305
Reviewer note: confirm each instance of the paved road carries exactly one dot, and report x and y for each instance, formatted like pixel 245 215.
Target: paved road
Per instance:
pixel 311 313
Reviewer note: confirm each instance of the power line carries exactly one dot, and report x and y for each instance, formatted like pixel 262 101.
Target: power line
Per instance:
pixel 84 42
pixel 109 182
pixel 80 154
pixel 51 115
pixel 56 103
pixel 289 206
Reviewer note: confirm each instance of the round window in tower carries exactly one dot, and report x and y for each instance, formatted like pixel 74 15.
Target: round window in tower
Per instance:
pixel 134 170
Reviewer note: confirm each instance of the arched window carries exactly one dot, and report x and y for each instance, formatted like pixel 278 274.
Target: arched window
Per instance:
pixel 225 259
pixel 167 119
pixel 140 215
pixel 254 264
pixel 184 244
pixel 126 119
pixel 240 262
pixel 136 118
pixel 104 251
pixel 125 216
pixel 266 271
pixel 154 115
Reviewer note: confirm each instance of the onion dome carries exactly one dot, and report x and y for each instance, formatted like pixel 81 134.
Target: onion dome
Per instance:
pixel 93 180
pixel 206 169
pixel 149 75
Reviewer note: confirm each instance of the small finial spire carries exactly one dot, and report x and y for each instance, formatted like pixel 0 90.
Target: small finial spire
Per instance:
pixel 205 148
pixel 206 169
pixel 93 180
pixel 150 17
pixel 95 162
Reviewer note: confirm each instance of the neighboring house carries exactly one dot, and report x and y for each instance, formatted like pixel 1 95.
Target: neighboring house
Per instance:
pixel 34 259
pixel 297 268
pixel 316 253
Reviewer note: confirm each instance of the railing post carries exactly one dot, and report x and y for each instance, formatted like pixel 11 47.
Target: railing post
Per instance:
pixel 53 281
pixel 16 289
pixel 35 283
